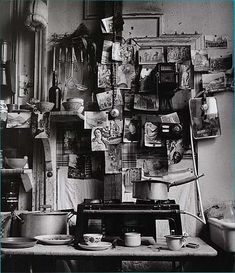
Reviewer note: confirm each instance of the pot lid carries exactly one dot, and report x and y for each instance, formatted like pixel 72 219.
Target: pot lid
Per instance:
pixel 42 213
pixel 151 181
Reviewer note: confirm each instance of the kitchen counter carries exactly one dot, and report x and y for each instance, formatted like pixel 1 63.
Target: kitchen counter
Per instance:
pixel 147 251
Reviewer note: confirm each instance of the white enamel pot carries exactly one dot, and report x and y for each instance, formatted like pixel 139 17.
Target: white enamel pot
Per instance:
pixel 43 223
pixel 153 189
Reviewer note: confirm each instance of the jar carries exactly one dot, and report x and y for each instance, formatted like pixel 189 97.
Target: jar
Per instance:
pixel 132 239
pixel 3 114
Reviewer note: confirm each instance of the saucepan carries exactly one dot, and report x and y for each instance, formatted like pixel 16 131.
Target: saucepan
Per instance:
pixel 153 189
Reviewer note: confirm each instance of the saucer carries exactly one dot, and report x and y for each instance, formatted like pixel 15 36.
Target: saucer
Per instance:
pixel 99 246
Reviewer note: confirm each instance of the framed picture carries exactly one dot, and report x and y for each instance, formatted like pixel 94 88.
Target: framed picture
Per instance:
pixel 151 56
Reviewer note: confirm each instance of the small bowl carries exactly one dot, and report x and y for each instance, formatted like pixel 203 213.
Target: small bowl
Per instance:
pixel 44 106
pixel 16 163
pixel 92 238
pixel 72 105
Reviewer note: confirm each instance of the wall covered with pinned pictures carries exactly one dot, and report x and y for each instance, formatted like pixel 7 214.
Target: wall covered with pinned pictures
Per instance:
pixel 135 105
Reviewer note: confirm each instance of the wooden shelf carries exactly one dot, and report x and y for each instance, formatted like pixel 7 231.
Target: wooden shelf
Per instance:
pixel 65 116
pixel 15 171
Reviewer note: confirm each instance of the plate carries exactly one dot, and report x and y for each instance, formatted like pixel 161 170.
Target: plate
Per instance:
pixel 55 239
pixel 18 242
pixel 95 247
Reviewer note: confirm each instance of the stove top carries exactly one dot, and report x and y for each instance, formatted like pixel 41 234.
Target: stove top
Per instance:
pixel 100 204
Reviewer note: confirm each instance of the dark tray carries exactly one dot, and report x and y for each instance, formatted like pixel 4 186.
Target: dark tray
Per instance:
pixel 17 242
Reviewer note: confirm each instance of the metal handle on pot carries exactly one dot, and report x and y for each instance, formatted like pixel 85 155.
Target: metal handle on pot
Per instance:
pixel 185 180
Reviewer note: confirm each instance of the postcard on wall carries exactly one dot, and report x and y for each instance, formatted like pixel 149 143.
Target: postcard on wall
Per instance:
pixel 106 56
pixel 176 54
pixel 200 60
pixel 175 151
pixel 221 63
pixel 216 41
pixel 104 76
pixel 95 119
pixel 154 165
pixel 205 123
pixel 113 159
pixel 170 118
pixel 127 54
pixel 146 102
pixel 214 82
pixel 99 139
pixel 131 130
pixel 125 75
pixel 20 120
pixel 131 174
pixel 116 52
pixel 115 131
pixel 151 135
pixel 147 81
pixel 105 100
pixel 107 24
pixel 185 75
pixel 151 56
pixel 128 96
pixel 79 166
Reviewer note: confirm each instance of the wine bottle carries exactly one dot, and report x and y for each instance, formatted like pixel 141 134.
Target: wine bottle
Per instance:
pixel 55 93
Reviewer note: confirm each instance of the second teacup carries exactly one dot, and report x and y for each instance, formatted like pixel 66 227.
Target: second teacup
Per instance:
pixel 92 238
pixel 175 242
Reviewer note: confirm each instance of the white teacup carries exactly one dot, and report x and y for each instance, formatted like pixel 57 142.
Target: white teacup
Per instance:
pixel 92 238
pixel 175 242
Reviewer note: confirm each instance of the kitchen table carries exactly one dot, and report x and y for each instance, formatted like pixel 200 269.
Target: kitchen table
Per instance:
pixel 146 252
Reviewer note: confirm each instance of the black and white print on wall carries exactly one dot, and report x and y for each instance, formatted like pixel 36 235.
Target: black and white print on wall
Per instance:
pixel 151 56
pixel 95 119
pixel 131 130
pixel 200 60
pixel 176 54
pixel 113 159
pixel 104 76
pixel 125 74
pixel 146 102
pixel 214 82
pixel 215 41
pixel 99 139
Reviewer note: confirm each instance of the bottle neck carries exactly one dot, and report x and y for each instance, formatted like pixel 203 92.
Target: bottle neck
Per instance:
pixel 54 79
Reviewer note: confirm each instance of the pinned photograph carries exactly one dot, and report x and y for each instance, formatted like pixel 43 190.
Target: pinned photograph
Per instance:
pixel 146 102
pixel 99 140
pixel 131 130
pixel 200 60
pixel 151 135
pixel 125 74
pixel 128 96
pixel 151 56
pixel 115 131
pixel 155 165
pixel 214 82
pixel 127 54
pixel 177 54
pixel 106 52
pixel 185 75
pixel 205 120
pixel 95 119
pixel 116 52
pixel 147 81
pixel 107 25
pixel 175 151
pixel 113 159
pixel 221 63
pixel 216 41
pixel 104 76
pixel 105 100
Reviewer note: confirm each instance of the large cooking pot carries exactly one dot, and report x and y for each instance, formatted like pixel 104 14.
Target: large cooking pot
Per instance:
pixel 153 189
pixel 43 223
